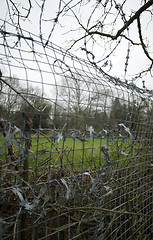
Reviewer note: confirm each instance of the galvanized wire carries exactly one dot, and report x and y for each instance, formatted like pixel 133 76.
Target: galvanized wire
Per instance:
pixel 75 146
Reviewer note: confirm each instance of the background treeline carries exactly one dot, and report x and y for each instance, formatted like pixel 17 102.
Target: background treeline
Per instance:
pixel 76 111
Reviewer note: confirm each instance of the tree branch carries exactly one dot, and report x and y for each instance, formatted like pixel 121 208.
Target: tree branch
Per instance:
pixel 134 17
pixel 141 40
pixel 85 208
pixel 126 25
pixel 18 93
pixel 130 40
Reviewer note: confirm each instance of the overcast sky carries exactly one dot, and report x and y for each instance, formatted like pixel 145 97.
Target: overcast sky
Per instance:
pixel 62 35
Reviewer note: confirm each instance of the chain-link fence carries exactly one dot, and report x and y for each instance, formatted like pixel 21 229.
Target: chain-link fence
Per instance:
pixel 75 147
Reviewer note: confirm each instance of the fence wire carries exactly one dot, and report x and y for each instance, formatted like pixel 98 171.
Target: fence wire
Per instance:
pixel 75 146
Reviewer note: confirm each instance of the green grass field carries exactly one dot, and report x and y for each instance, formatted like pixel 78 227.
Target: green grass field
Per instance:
pixel 69 154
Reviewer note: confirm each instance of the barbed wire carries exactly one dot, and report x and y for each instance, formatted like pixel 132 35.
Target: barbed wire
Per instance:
pixel 75 146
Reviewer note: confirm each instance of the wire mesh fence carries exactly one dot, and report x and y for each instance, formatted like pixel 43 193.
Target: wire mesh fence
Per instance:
pixel 75 146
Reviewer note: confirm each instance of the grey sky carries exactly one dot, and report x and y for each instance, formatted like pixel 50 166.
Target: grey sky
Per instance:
pixel 62 35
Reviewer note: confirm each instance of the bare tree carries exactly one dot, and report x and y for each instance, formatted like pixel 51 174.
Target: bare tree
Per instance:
pixel 16 100
pixel 78 95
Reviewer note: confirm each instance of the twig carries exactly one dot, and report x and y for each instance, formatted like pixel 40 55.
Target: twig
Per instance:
pixel 142 42
pixel 14 233
pixel 17 92
pixel 110 211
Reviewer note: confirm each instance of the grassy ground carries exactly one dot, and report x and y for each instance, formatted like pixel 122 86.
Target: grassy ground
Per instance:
pixel 69 153
pixel 72 153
